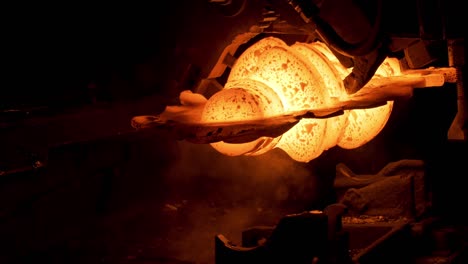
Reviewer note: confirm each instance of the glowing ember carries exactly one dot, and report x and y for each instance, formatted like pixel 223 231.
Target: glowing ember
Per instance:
pixel 271 78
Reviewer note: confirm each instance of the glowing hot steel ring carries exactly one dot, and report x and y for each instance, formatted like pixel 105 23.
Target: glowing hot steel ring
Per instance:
pixel 271 78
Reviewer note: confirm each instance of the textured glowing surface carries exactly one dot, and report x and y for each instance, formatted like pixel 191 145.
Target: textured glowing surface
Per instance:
pixel 333 87
pixel 298 85
pixel 365 124
pixel 241 100
pixel 271 78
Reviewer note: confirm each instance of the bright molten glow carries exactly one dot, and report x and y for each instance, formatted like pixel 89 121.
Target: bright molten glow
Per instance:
pixel 241 100
pixel 271 78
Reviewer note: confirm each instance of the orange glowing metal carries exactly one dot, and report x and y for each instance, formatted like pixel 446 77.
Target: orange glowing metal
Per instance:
pixel 292 98
pixel 271 78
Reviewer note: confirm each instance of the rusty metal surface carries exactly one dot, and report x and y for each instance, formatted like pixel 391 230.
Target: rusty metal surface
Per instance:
pixel 400 189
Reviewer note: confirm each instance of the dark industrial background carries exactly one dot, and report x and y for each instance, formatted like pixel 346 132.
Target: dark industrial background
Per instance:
pixel 79 185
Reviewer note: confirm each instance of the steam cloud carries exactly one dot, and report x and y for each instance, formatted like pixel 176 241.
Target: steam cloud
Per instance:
pixel 209 193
